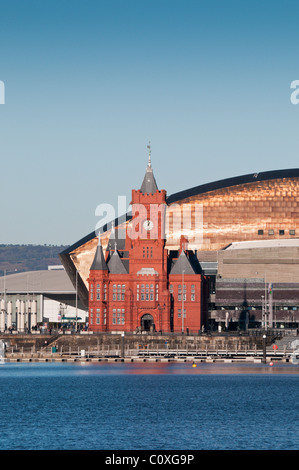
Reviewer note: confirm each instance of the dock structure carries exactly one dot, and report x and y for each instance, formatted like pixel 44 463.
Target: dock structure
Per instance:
pixel 116 348
pixel 117 353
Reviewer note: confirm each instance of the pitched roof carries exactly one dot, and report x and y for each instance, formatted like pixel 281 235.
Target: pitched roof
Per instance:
pixel 99 263
pixel 115 264
pixel 149 185
pixel 182 264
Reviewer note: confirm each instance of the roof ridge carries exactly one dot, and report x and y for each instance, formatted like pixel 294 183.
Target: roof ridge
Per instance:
pixel 182 264
pixel 115 264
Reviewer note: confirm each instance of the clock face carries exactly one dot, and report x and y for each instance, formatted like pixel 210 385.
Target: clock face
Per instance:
pixel 148 225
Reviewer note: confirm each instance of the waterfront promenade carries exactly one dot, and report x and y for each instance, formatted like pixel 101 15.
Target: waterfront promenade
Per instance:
pixel 147 348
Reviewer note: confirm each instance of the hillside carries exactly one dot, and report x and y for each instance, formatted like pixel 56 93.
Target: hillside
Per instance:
pixel 28 257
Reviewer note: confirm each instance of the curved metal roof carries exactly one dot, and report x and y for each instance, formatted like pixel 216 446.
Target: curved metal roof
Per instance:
pixel 196 190
pixel 228 182
pixel 179 196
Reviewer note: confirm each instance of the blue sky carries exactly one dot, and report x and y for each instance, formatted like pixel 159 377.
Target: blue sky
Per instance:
pixel 89 82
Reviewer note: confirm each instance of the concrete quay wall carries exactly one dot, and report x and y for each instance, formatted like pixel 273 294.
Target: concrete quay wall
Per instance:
pixel 132 341
pixel 139 348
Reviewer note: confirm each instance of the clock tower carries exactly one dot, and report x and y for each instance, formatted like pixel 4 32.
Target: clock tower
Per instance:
pixel 147 253
pixel 137 285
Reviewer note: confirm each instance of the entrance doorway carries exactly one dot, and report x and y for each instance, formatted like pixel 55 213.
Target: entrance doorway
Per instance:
pixel 147 323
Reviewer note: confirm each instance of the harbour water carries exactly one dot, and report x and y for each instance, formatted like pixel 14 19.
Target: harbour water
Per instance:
pixel 169 406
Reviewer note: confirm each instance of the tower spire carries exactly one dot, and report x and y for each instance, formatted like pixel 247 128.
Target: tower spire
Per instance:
pixel 149 155
pixel 149 185
pixel 99 263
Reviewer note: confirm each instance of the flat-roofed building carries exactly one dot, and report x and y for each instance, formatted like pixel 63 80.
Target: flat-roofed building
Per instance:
pixel 33 299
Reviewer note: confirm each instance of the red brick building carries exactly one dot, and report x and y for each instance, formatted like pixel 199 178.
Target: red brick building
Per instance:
pixel 137 284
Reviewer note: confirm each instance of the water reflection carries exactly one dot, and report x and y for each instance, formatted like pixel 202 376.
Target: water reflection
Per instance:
pixel 186 368
pixel 141 368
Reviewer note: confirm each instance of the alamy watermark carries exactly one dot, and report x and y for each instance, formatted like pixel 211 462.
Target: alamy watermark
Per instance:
pixel 295 94
pixel 160 221
pixel 2 92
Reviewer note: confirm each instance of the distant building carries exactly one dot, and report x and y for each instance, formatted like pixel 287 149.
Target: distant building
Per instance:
pixel 257 285
pixel 34 299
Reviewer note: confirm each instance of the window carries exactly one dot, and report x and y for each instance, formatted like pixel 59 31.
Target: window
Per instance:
pixel 105 316
pixel 147 292
pixel 105 291
pixel 118 316
pixel 157 292
pixel 91 316
pixel 98 292
pixel 171 288
pixel 271 232
pixel 260 232
pixel 91 291
pixel 292 232
pixel 281 232
pixel 98 316
pixel 180 313
pixel 192 292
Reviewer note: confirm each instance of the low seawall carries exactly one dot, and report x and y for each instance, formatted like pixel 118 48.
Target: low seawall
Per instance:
pixel 139 348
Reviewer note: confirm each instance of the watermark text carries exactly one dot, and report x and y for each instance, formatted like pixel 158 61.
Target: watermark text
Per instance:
pixel 295 94
pixel 2 92
pixel 156 221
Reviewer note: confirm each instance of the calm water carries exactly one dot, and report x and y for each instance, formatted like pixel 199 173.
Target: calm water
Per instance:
pixel 148 406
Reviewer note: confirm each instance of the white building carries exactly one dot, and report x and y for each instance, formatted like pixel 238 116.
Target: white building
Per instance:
pixel 39 298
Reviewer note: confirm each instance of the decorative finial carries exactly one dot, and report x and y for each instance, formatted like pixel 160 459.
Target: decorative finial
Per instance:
pixel 149 155
pixel 112 235
pixel 115 246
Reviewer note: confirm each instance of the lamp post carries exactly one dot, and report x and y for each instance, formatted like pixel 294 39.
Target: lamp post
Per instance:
pixel 264 349
pixel 263 311
pixel 77 271
pixel 183 272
